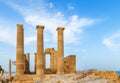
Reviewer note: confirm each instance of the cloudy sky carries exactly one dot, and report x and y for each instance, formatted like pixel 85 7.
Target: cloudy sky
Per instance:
pixel 92 30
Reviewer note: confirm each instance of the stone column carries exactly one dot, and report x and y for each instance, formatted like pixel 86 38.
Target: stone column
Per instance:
pixel 44 61
pixel 28 62
pixel 25 64
pixel 9 71
pixel 52 60
pixel 40 49
pixel 55 61
pixel 35 62
pixel 20 50
pixel 60 51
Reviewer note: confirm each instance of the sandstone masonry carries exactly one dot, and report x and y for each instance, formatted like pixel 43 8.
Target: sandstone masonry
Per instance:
pixel 58 63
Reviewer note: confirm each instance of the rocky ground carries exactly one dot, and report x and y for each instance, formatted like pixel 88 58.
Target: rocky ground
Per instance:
pixel 5 79
pixel 89 76
pixel 72 79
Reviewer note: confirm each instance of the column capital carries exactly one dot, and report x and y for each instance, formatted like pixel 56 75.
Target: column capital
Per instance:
pixel 40 26
pixel 60 28
pixel 20 26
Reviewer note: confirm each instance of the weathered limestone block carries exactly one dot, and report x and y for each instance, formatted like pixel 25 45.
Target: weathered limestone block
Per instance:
pixel 70 64
pixel 53 61
pixel 111 75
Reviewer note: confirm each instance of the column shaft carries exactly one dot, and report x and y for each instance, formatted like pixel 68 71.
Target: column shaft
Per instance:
pixel 60 52
pixel 20 50
pixel 44 62
pixel 9 71
pixel 25 64
pixel 40 48
pixel 28 62
pixel 35 62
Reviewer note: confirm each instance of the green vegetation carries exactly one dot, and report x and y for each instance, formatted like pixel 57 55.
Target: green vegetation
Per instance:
pixel 1 68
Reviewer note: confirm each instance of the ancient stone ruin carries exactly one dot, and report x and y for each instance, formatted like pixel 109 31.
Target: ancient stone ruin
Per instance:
pixel 62 69
pixel 58 63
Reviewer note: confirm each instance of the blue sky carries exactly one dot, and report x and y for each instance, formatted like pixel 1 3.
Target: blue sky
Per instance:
pixel 92 30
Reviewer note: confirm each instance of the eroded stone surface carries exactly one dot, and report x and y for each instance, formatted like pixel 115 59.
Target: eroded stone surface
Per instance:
pixel 90 76
pixel 70 64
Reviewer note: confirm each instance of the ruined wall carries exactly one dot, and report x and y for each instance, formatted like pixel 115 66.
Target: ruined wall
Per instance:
pixel 70 64
pixel 27 63
pixel 53 61
pixel 111 75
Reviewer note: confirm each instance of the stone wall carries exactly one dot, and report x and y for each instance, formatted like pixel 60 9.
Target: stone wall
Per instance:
pixel 110 75
pixel 53 61
pixel 70 64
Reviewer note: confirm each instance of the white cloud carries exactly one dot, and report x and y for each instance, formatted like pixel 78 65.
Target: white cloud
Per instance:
pixel 112 41
pixel 70 7
pixel 6 36
pixel 59 14
pixel 51 5
pixel 7 33
pixel 34 15
pixel 30 39
pixel 72 26
pixel 76 24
